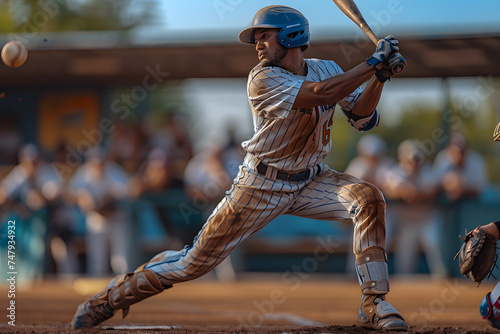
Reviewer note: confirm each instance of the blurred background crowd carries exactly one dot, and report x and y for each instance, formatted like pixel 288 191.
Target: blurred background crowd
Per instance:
pixel 142 192
pixel 146 191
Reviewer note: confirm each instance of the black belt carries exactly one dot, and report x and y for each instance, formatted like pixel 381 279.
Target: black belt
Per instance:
pixel 293 177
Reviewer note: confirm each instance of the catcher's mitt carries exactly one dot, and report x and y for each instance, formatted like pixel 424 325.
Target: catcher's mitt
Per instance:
pixel 478 255
pixel 496 133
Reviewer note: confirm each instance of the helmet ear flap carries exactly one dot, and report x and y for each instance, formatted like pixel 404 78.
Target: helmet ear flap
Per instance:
pixel 291 38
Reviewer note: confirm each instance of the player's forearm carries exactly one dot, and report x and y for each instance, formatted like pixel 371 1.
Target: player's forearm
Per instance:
pixel 332 90
pixel 368 100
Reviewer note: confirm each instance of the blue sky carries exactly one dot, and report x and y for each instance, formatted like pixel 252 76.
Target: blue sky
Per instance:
pixel 391 16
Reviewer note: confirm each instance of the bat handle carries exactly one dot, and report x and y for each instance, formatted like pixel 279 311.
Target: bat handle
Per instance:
pixel 398 67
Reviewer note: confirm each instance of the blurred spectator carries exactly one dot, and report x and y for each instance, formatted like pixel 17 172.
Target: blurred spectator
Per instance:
pixel 10 140
pixel 154 174
pixel 98 187
pixel 372 163
pixel 207 179
pixel 128 145
pixel 462 171
pixel 151 187
pixel 24 196
pixel 64 230
pixel 175 141
pixel 414 184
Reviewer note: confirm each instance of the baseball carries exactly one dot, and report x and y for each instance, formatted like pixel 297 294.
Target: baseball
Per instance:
pixel 14 54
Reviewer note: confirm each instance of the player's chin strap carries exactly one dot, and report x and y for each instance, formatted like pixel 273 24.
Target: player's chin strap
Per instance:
pixel 372 270
pixel 129 289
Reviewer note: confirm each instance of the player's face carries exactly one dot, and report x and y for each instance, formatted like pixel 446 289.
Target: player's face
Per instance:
pixel 269 51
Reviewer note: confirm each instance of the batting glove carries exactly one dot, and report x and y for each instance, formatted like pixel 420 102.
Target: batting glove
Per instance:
pixel 385 47
pixel 396 64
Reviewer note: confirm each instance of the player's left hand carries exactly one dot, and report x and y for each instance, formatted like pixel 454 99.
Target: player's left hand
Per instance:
pixel 385 48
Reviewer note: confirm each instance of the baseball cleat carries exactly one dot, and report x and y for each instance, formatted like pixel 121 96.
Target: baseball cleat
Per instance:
pixel 96 309
pixel 88 315
pixel 121 292
pixel 376 313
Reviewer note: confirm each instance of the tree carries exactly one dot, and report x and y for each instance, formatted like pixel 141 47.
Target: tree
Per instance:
pixel 76 15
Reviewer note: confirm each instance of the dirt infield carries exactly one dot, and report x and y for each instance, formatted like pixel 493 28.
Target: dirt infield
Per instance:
pixel 277 303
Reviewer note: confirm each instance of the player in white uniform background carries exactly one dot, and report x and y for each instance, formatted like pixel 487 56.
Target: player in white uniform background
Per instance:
pixel 293 100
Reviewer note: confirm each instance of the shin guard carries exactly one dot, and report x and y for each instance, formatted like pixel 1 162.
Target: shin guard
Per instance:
pixel 372 270
pixel 129 289
pixel 134 287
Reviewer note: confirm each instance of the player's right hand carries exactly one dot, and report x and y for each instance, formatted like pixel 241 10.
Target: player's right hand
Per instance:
pixel 385 48
pixel 395 64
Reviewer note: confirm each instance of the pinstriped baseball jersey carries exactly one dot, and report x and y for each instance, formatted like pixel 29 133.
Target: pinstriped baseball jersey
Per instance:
pixel 286 138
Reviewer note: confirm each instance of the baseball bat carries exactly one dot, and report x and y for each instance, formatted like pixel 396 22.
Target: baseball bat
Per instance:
pixel 349 8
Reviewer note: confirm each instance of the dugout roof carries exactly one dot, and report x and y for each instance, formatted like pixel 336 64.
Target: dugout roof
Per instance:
pixel 56 61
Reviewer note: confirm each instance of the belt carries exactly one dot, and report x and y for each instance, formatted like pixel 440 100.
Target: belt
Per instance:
pixel 293 177
pixel 273 173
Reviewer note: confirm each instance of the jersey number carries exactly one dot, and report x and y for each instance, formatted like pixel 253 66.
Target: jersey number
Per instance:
pixel 327 127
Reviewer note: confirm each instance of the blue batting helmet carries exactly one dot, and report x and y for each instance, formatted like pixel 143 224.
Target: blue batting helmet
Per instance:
pixel 294 27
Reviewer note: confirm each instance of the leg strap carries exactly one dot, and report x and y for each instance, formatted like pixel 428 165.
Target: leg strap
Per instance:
pixel 372 270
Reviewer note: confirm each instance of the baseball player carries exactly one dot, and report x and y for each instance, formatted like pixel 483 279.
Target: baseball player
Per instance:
pixel 292 101
pixel 478 257
pixel 489 308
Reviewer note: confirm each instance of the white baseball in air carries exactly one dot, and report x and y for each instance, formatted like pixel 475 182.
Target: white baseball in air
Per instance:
pixel 14 54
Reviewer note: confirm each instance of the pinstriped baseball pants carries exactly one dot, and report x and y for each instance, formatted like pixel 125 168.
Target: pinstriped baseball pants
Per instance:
pixel 253 201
